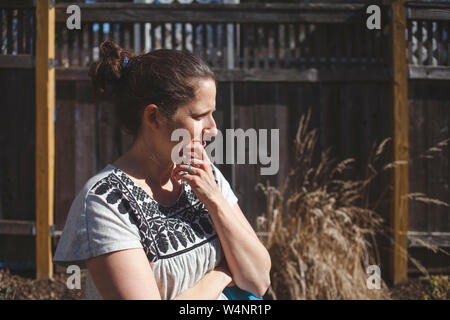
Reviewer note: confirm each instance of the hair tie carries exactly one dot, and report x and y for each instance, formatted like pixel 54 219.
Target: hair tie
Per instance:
pixel 124 64
pixel 125 61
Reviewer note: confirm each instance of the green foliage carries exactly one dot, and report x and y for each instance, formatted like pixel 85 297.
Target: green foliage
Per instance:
pixel 6 293
pixel 440 286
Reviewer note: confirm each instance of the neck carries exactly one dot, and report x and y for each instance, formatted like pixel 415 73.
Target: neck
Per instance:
pixel 142 162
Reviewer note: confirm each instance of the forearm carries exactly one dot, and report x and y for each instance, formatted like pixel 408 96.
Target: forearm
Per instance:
pixel 208 288
pixel 247 258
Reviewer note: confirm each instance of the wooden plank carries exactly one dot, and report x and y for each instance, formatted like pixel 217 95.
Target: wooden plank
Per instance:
pixel 400 178
pixel 65 150
pixel 266 46
pixel 204 40
pixel 429 72
pixel 440 43
pixel 420 26
pixel 34 34
pixel 59 44
pixel 116 34
pixel 183 36
pixel 17 227
pixel 70 47
pixel 109 139
pixel 309 44
pixel 126 142
pixel 9 32
pixel 214 48
pixel 85 128
pixel 297 44
pixel 195 41
pixel 220 13
pixel 85 47
pixel 1 33
pixel 245 44
pixel 253 49
pixel 12 61
pixel 152 36
pixel 163 35
pixel 431 14
pixel 226 44
pixel 448 43
pixel 418 125
pixel 17 159
pixel 224 120
pixel 286 45
pixel 438 113
pixel 17 185
pixel 45 139
pixel 236 29
pixel 440 239
pixel 246 173
pixel 409 41
pixel 173 36
pixel 18 4
pixel 430 36
pixel 316 47
pixel 268 75
pixel 20 32
pixel 29 30
pixel 276 45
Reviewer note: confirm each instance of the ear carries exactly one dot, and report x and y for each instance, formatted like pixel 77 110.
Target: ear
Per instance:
pixel 152 117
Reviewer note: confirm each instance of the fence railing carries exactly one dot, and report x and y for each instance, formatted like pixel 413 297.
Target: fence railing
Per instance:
pixel 251 37
pixel 17 28
pixel 428 36
pixel 241 42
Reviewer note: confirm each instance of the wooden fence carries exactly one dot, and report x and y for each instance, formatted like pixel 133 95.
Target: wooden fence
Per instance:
pixel 273 63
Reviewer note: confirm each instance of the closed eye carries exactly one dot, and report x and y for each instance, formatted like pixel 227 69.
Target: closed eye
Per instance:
pixel 202 115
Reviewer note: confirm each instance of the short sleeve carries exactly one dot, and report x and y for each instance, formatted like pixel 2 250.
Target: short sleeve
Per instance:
pixel 224 187
pixel 94 227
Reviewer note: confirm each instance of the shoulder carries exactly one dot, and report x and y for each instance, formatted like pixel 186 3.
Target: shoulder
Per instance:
pixel 98 220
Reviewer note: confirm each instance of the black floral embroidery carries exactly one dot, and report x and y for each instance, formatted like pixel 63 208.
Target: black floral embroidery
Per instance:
pixel 124 206
pixel 165 230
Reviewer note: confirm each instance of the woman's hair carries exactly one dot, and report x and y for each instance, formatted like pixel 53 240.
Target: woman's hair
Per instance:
pixel 164 77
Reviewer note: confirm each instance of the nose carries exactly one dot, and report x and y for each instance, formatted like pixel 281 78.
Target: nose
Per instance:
pixel 211 130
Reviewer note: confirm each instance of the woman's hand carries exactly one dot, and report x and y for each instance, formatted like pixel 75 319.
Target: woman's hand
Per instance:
pixel 201 178
pixel 223 267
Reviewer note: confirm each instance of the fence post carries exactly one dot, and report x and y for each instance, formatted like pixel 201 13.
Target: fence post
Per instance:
pixel 398 263
pixel 45 135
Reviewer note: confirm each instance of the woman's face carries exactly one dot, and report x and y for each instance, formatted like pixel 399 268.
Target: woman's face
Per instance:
pixel 196 116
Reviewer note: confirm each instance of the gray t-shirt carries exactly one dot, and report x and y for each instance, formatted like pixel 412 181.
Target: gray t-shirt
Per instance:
pixel 112 213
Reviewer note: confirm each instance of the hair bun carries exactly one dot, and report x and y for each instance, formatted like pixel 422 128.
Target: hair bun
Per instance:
pixel 109 50
pixel 108 69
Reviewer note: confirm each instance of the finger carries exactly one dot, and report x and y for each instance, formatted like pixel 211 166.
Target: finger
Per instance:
pixel 205 155
pixel 192 161
pixel 184 167
pixel 178 172
pixel 190 179
pixel 195 151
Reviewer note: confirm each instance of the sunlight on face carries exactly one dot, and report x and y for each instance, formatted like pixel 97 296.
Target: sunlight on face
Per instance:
pixel 197 116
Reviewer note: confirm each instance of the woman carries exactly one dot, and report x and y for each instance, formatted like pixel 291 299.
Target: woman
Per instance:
pixel 146 227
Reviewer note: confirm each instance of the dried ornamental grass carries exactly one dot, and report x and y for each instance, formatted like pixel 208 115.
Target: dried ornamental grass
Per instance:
pixel 316 233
